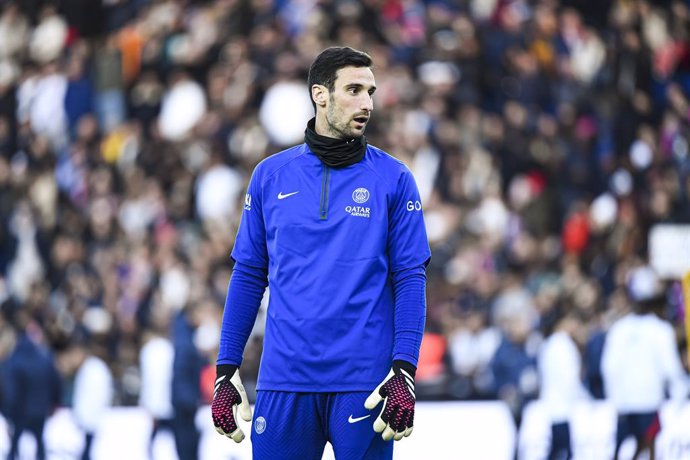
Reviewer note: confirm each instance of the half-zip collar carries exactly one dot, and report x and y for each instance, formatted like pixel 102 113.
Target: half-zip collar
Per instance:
pixel 336 153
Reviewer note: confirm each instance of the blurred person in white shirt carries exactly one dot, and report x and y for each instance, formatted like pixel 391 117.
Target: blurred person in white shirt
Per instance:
pixel 218 189
pixel 559 366
pixel 156 365
pixel 641 363
pixel 471 344
pixel 93 389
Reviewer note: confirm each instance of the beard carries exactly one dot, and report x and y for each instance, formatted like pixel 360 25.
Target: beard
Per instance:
pixel 339 126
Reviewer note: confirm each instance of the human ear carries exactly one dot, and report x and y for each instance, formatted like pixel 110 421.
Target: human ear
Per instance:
pixel 319 95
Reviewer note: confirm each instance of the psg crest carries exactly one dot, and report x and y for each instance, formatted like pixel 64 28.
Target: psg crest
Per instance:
pixel 360 195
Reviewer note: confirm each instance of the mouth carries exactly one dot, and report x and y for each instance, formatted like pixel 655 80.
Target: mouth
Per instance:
pixel 362 120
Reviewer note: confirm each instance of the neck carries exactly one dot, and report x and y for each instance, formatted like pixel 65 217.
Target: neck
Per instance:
pixel 322 129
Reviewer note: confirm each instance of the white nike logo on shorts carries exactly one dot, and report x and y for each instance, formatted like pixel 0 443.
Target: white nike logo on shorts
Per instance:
pixel 281 196
pixel 355 420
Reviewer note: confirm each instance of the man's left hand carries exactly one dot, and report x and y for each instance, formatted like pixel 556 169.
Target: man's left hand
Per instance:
pixel 397 393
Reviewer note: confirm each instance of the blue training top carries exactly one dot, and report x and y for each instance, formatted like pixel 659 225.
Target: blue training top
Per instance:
pixel 331 241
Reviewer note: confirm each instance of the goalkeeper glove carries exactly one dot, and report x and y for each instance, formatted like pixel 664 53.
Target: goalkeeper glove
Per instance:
pixel 397 392
pixel 228 394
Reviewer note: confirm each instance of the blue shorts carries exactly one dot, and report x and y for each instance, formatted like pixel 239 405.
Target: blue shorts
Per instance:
pixel 298 425
pixel 644 426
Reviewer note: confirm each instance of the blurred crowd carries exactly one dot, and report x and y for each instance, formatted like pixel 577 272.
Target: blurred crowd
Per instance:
pixel 547 139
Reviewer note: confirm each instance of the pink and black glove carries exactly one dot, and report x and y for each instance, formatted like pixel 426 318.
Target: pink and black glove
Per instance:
pixel 228 395
pixel 397 392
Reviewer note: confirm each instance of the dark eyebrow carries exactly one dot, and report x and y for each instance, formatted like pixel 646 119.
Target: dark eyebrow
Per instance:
pixel 357 85
pixel 372 89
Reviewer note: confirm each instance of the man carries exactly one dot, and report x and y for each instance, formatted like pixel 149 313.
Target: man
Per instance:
pixel 93 388
pixel 640 363
pixel 334 227
pixel 32 389
pixel 559 367
pixel 186 389
pixel 156 364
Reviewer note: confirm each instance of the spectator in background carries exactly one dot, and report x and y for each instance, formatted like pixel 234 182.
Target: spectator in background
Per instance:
pixel 217 189
pixel 156 367
pixel 25 268
pixel 31 388
pixel 14 31
pixel 186 389
pixel 182 107
pixel 93 388
pixel 618 306
pixel 513 366
pixel 559 366
pixel 7 344
pixel 79 100
pixel 640 362
pixel 594 348
pixel 206 340
pixel 109 98
pixel 472 344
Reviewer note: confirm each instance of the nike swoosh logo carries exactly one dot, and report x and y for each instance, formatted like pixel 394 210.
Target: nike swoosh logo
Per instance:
pixel 355 420
pixel 282 197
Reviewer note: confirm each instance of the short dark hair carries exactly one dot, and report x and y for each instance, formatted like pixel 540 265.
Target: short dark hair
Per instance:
pixel 326 65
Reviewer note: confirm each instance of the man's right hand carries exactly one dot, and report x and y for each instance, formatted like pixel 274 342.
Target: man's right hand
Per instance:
pixel 228 394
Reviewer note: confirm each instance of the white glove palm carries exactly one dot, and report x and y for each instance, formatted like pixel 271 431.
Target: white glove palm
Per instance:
pixel 397 393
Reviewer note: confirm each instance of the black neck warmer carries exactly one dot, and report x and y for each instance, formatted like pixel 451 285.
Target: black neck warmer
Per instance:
pixel 336 153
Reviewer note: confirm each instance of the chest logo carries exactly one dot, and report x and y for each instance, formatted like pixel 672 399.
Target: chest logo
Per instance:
pixel 358 211
pixel 282 196
pixel 360 195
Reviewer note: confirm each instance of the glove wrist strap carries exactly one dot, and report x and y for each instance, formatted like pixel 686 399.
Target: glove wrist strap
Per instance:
pixel 399 365
pixel 225 369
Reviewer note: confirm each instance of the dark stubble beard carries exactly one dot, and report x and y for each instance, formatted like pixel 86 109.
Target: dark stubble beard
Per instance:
pixel 334 131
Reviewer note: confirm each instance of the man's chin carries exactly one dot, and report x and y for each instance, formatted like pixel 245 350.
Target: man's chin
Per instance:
pixel 357 133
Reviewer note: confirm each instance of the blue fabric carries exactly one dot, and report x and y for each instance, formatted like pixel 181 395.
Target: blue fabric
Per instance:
pixel 644 426
pixel 594 349
pixel 31 386
pixel 79 101
pixel 35 427
pixel 187 436
pixel 410 313
pixel 332 241
pixel 509 363
pixel 186 387
pixel 296 426
pixel 245 291
pixel 31 383
pixel 560 442
pixel 187 365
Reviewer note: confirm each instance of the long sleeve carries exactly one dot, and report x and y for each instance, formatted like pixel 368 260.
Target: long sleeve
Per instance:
pixel 93 393
pixel 409 287
pixel 671 364
pixel 559 366
pixel 245 291
pixel 639 362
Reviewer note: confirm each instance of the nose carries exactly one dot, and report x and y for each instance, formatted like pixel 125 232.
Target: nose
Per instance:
pixel 367 103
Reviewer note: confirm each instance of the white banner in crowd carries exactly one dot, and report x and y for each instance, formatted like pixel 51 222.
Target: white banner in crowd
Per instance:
pixel 443 430
pixel 669 250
